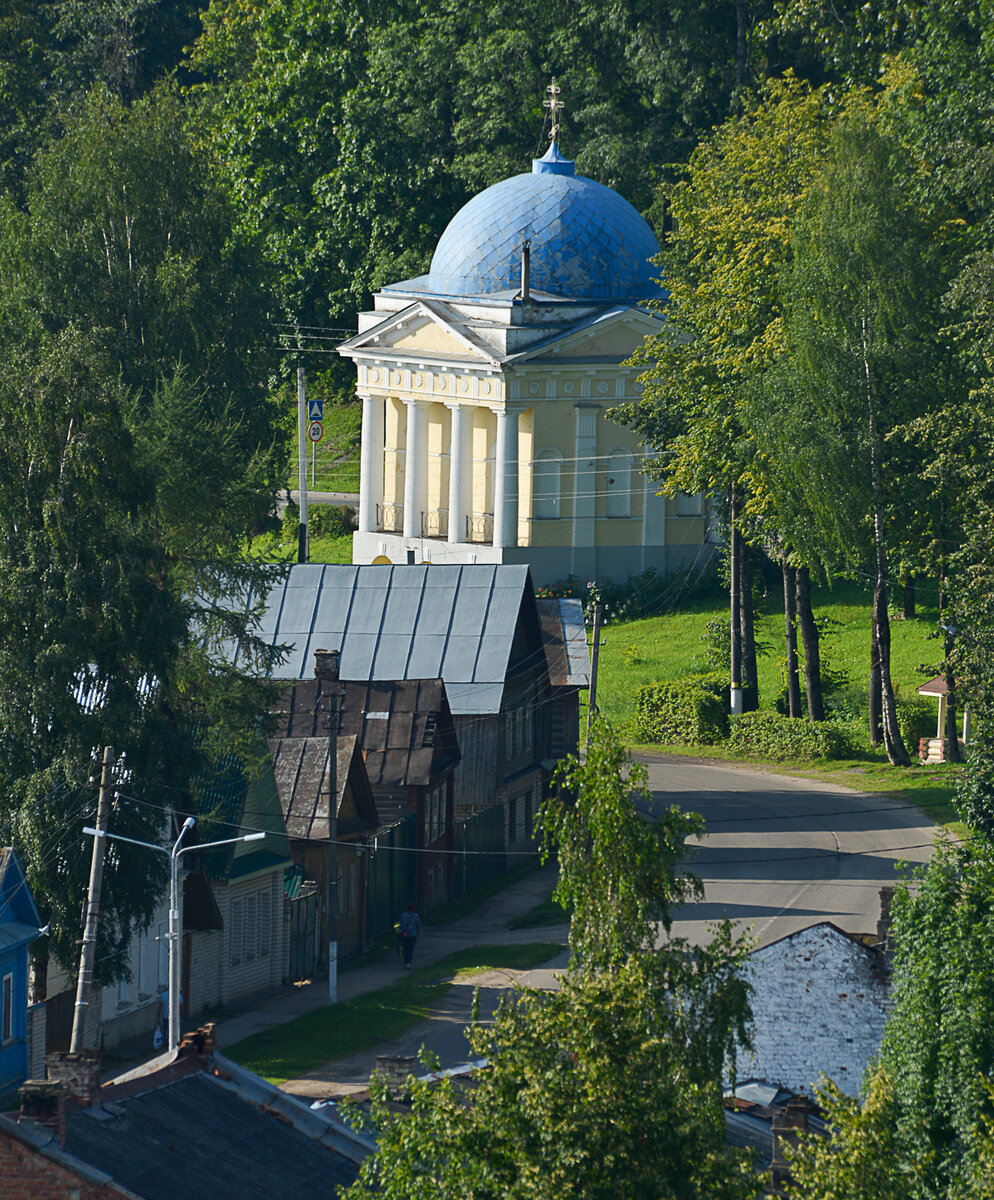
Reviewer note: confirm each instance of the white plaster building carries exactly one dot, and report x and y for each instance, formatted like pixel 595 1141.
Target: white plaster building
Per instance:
pixel 820 1001
pixel 487 386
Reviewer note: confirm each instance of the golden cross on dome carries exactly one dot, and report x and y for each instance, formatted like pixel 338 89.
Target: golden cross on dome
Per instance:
pixel 554 105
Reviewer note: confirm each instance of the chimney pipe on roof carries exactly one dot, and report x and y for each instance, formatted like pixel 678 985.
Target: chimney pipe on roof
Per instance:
pixel 326 664
pixel 43 1101
pixel 526 272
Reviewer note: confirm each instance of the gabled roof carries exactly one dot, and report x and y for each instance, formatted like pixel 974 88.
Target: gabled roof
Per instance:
pixel 211 1134
pixel 457 623
pixel 564 640
pixel 300 766
pixel 230 805
pixel 404 727
pixel 471 345
pixel 19 919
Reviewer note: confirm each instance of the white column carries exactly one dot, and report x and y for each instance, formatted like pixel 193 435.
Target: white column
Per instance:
pixel 414 467
pixel 506 479
pixel 458 459
pixel 371 463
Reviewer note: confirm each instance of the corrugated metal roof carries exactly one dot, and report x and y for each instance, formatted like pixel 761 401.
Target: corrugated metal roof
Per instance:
pixel 564 639
pixel 403 622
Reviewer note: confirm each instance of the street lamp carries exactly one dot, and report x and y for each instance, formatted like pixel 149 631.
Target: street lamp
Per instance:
pixel 174 931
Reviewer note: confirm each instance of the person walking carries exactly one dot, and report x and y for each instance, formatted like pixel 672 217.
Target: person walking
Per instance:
pixel 410 927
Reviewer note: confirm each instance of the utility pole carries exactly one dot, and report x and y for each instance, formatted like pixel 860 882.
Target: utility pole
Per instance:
pixel 89 948
pixel 592 699
pixel 327 669
pixel 735 643
pixel 302 547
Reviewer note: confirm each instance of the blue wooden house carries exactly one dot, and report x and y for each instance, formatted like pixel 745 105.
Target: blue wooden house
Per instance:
pixel 19 925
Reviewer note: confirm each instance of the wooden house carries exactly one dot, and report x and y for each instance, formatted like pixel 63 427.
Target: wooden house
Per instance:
pixel 475 627
pixel 301 770
pixel 408 741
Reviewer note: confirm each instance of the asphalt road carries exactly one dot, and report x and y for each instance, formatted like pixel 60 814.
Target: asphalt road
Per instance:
pixel 782 853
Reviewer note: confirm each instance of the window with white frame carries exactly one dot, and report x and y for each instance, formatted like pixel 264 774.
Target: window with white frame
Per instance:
pixel 250 926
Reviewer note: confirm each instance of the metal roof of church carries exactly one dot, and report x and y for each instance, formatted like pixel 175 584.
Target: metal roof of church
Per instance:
pixel 587 242
pixel 455 623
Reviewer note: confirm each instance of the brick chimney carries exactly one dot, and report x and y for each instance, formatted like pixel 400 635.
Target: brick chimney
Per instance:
pixel 78 1073
pixel 201 1042
pixel 326 664
pixel 395 1070
pixel 44 1102
pixel 789 1123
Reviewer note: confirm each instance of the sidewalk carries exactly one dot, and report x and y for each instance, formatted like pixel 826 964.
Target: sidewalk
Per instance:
pixel 486 926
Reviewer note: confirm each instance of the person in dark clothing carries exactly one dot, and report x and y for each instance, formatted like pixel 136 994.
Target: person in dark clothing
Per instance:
pixel 410 927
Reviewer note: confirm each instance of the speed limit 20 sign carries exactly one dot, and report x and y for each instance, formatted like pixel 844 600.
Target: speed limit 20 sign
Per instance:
pixel 315 431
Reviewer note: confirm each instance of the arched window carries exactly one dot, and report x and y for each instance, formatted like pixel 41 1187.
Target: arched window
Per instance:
pixel 618 483
pixel 546 483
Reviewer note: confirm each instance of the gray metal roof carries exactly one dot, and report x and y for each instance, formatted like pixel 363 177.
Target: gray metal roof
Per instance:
pixel 456 623
pixel 195 1138
pixel 564 639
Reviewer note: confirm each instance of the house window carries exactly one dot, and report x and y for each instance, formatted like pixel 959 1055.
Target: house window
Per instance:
pixel 251 926
pixel 265 909
pixel 251 918
pixel 237 931
pixel 547 484
pixel 7 1005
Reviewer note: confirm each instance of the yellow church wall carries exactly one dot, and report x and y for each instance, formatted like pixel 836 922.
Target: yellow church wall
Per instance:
pixel 526 452
pixel 431 338
pixel 685 531
pixel 395 430
pixel 439 426
pixel 483 439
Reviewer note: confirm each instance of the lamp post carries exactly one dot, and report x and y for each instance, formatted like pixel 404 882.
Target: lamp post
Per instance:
pixel 174 930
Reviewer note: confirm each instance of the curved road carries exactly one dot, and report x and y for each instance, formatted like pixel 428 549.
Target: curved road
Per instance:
pixel 781 853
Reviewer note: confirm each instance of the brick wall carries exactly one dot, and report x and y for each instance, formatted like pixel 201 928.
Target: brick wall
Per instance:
pixel 25 1174
pixel 819 1005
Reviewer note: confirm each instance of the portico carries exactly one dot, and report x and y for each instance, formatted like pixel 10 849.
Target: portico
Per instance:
pixel 487 388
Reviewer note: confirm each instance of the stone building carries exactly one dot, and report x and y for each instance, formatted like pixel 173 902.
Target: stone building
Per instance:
pixel 487 387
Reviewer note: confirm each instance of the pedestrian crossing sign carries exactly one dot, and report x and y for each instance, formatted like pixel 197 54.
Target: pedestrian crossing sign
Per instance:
pixel 315 410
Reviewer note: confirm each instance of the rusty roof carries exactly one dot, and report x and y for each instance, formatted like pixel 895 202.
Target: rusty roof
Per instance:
pixel 404 727
pixel 564 640
pixel 300 765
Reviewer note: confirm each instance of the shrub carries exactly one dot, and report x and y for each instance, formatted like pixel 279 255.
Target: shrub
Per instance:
pixel 328 520
pixel 916 719
pixel 772 736
pixel 692 710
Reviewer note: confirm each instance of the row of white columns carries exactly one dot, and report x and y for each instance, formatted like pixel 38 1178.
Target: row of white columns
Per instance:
pixel 460 463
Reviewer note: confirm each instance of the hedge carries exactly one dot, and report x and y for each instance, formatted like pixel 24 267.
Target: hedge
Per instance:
pixel 693 710
pixel 772 736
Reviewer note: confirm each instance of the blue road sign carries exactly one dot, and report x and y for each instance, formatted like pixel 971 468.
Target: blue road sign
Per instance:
pixel 315 410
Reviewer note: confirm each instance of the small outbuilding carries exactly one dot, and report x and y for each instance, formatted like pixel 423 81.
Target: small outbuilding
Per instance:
pixel 935 749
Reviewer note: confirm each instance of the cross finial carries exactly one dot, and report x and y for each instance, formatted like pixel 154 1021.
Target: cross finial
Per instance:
pixel 554 105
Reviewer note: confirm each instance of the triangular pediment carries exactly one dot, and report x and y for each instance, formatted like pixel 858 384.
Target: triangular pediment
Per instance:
pixel 614 336
pixel 418 331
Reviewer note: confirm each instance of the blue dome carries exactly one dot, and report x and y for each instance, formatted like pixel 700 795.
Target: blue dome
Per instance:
pixel 587 243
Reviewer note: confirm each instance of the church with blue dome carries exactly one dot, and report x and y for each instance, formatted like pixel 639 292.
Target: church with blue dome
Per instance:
pixel 487 387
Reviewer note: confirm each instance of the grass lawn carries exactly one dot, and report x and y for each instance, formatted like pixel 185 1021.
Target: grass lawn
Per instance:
pixel 273 547
pixel 291 1050
pixel 672 645
pixel 338 451
pixel 549 912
